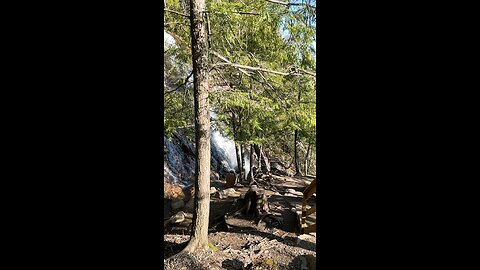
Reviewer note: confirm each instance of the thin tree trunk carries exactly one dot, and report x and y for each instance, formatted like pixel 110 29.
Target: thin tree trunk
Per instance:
pixel 235 138
pixel 306 156
pixel 250 172
pixel 242 154
pixel 296 160
pixel 199 236
pixel 260 158
pixel 258 154
pixel 264 163
pixel 239 161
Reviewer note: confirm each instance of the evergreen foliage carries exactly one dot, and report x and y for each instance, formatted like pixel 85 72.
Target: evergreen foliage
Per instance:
pixel 253 107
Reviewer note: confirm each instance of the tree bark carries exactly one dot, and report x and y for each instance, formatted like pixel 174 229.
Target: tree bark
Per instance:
pixel 242 154
pixel 237 154
pixel 252 160
pixel 264 163
pixel 306 156
pixel 239 161
pixel 296 160
pixel 258 153
pixel 199 236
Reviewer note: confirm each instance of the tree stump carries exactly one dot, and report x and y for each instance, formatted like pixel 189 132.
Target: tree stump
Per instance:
pixel 231 180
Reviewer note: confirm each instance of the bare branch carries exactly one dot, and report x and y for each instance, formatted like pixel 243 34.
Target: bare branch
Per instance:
pixel 278 2
pixel 183 84
pixel 227 62
pixel 308 72
pixel 290 3
pixel 246 13
pixel 176 12
pixel 238 66
pixel 235 12
pixel 245 72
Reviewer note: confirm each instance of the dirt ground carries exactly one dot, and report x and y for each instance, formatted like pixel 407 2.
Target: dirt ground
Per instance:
pixel 245 244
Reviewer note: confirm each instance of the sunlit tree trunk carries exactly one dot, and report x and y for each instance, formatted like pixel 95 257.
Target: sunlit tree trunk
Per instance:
pixel 199 236
pixel 242 154
pixel 252 160
pixel 237 150
pixel 296 161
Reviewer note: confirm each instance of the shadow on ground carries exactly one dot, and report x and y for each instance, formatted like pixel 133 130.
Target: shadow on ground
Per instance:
pixel 171 248
pixel 183 261
pixel 288 240
pixel 232 264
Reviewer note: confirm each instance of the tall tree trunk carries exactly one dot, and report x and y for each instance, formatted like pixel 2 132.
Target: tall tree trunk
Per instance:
pixel 242 154
pixel 296 161
pixel 306 156
pixel 264 163
pixel 199 236
pixel 252 160
pixel 258 153
pixel 258 158
pixel 239 161
pixel 237 154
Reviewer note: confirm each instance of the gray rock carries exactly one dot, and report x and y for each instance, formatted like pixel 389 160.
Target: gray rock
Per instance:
pixel 294 192
pixel 229 192
pixel 189 206
pixel 177 204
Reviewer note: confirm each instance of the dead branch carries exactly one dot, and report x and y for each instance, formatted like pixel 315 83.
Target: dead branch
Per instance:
pixel 290 3
pixel 176 12
pixel 238 66
pixel 246 13
pixel 183 84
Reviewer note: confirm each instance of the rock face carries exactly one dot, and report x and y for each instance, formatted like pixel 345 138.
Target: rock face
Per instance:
pixel 189 206
pixel 177 204
pixel 278 168
pixel 179 161
pixel 172 191
pixel 167 208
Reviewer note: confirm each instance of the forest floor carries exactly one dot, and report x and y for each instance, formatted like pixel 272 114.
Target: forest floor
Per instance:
pixel 246 244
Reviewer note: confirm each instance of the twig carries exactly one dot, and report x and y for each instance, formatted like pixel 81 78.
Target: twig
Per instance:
pixel 290 3
pixel 246 13
pixel 308 72
pixel 259 68
pixel 176 12
pixel 178 87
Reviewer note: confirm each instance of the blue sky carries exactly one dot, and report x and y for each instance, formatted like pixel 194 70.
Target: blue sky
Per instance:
pixel 294 8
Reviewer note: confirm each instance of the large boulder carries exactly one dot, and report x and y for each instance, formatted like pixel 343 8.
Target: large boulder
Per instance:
pixel 189 206
pixel 172 192
pixel 167 208
pixel 177 204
